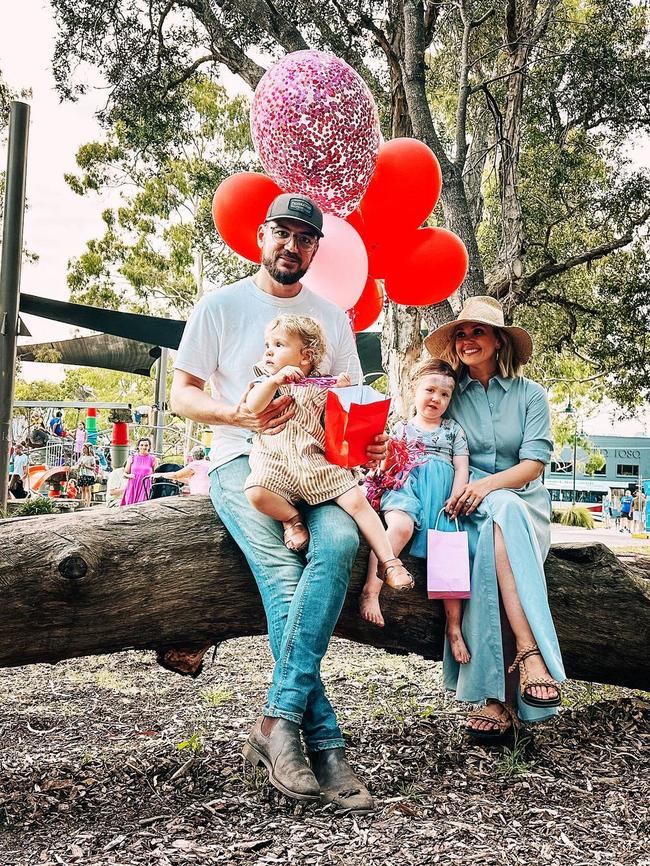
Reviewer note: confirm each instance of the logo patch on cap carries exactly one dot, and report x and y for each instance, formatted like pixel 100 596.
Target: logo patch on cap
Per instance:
pixel 301 206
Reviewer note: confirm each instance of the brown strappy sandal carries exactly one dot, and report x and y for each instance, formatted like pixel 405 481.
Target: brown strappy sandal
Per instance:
pixel 504 725
pixel 392 579
pixel 294 527
pixel 525 683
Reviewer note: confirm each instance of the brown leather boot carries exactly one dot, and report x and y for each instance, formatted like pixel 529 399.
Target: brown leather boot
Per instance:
pixel 281 753
pixel 338 784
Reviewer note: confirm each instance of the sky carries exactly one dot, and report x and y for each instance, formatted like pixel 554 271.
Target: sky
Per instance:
pixel 58 222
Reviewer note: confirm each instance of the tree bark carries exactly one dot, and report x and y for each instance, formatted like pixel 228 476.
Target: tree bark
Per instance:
pixel 167 573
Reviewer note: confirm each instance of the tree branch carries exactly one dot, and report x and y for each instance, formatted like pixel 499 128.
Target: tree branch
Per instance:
pixel 553 269
pixel 463 90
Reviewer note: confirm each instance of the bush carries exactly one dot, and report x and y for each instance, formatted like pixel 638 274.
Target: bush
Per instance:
pixel 556 516
pixel 36 505
pixel 577 515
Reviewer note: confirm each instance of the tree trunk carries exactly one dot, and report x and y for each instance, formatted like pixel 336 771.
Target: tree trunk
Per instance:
pixel 166 572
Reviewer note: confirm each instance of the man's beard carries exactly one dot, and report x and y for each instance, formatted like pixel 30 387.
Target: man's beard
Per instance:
pixel 285 278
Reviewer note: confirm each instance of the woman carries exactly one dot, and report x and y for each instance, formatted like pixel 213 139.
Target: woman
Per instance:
pixel 86 466
pixel 195 473
pixel 79 437
pixel 507 623
pixel 138 471
pixel 607 511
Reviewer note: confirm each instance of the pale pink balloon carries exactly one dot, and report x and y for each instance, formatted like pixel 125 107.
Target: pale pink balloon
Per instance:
pixel 316 129
pixel 339 269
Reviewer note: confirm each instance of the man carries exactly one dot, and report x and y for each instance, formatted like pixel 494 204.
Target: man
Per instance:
pixel 56 425
pixel 115 487
pixel 638 508
pixel 222 341
pixel 626 510
pixel 18 480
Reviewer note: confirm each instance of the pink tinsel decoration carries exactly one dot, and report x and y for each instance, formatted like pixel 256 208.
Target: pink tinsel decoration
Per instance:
pixel 403 456
pixel 318 381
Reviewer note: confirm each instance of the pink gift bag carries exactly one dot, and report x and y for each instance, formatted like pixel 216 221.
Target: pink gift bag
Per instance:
pixel 447 563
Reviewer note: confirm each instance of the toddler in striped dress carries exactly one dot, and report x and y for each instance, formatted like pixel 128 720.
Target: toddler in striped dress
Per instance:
pixel 290 466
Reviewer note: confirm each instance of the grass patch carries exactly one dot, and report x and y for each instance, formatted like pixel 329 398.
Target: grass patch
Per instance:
pixel 218 697
pixel 577 515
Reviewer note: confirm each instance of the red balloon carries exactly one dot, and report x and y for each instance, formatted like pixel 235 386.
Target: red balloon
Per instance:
pixel 239 207
pixel 403 190
pixel 367 309
pixel 430 268
pixel 356 221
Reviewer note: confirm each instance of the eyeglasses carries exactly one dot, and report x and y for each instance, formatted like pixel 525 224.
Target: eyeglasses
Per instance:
pixel 282 236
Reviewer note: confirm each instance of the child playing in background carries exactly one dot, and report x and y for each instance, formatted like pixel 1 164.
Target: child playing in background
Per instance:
pixel 413 509
pixel 290 466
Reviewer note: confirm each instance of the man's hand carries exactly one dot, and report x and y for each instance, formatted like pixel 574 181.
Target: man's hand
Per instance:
pixel 377 451
pixel 271 420
pixel 288 374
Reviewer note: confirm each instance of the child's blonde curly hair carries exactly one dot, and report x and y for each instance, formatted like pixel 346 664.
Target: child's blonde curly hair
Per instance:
pixel 308 331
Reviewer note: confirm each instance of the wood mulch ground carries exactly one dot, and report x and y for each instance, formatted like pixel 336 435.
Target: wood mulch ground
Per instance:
pixel 111 760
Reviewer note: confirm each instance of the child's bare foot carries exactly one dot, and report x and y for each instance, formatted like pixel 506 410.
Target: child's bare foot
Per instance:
pixel 457 645
pixel 369 608
pixel 296 536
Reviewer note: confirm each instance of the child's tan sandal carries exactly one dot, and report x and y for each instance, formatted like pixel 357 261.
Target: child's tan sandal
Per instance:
pixel 526 683
pixel 395 574
pixel 504 724
pixel 296 535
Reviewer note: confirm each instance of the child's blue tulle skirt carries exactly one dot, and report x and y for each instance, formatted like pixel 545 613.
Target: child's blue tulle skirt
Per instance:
pixel 425 492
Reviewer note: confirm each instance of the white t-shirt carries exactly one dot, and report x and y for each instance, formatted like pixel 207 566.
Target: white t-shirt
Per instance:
pixel 20 465
pixel 116 481
pixel 224 338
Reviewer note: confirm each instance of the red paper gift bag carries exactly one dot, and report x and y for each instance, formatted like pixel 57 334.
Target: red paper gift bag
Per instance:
pixel 353 417
pixel 447 563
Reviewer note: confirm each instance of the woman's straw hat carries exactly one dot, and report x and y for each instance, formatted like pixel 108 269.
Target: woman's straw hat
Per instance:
pixel 487 311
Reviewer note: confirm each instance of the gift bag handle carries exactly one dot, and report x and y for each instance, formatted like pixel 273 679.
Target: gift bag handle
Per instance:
pixel 362 377
pixel 438 518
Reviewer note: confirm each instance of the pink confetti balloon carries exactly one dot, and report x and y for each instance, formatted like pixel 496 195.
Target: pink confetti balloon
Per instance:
pixel 316 129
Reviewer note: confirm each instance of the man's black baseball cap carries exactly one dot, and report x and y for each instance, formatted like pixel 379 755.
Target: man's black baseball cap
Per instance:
pixel 291 206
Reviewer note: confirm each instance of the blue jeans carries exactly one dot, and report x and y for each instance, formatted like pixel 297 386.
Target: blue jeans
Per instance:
pixel 302 603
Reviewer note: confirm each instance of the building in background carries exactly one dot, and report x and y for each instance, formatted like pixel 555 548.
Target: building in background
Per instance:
pixel 627 465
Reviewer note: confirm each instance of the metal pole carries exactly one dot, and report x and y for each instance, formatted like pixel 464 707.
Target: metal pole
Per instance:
pixel 575 457
pixel 161 396
pixel 12 250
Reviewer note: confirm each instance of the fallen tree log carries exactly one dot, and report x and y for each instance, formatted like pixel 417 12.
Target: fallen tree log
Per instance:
pixel 167 573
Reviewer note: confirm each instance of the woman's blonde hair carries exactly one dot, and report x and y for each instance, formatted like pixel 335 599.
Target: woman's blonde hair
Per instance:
pixel 307 330
pixel 508 363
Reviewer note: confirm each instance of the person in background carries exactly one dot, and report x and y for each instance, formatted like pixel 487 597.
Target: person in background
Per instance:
pixel 616 512
pixel 138 471
pixel 18 479
pixel 87 467
pixel 627 501
pixel 56 425
pixel 38 436
pixel 79 438
pixel 115 487
pixel 607 511
pixel 638 511
pixel 195 474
